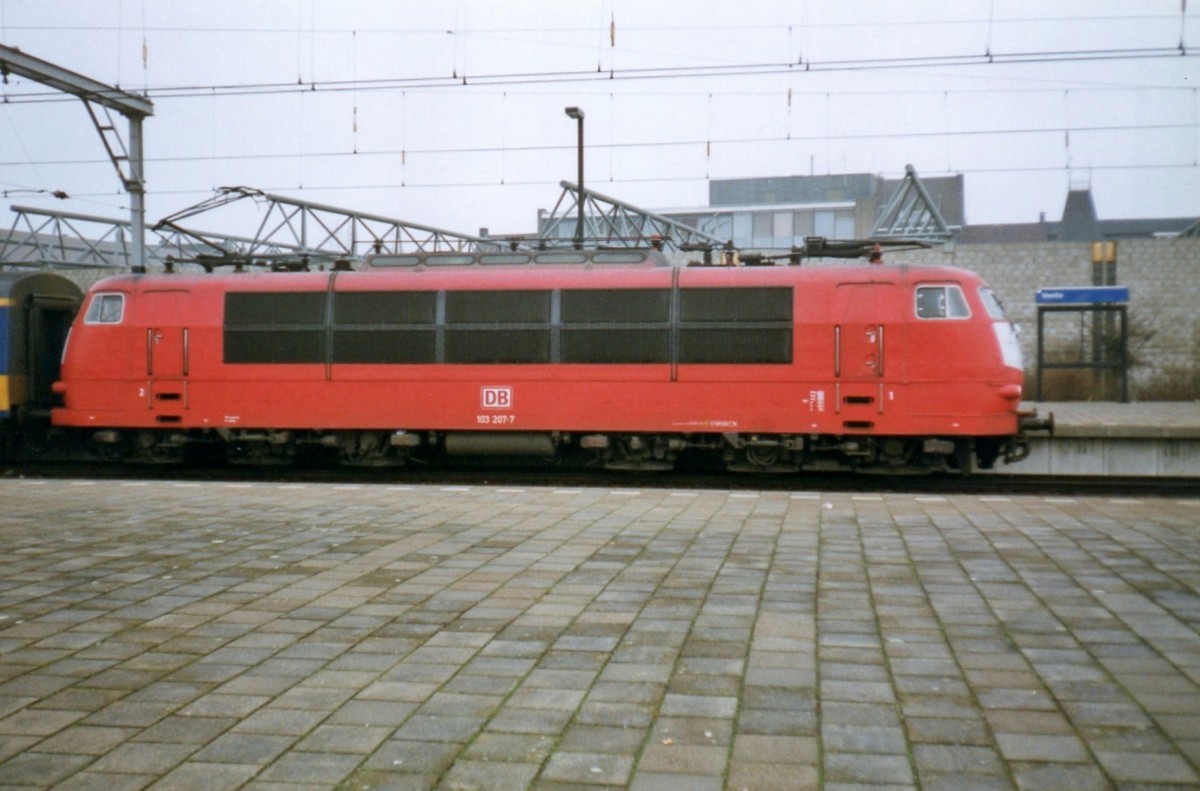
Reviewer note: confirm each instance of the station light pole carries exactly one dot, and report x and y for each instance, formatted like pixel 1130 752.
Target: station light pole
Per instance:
pixel 577 114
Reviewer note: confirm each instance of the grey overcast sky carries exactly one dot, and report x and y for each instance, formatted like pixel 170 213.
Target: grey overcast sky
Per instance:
pixel 450 112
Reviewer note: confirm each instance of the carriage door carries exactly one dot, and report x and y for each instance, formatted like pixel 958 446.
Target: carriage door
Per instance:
pixel 166 356
pixel 861 351
pixel 48 325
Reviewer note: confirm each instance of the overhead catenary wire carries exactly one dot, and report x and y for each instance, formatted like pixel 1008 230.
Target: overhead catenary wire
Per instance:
pixel 705 144
pixel 284 187
pixel 657 29
pixel 756 69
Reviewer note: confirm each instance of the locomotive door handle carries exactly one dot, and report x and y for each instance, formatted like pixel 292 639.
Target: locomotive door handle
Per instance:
pixel 150 352
pixel 837 350
pixel 879 367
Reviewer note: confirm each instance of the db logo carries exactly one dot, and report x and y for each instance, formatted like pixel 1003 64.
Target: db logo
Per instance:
pixel 497 397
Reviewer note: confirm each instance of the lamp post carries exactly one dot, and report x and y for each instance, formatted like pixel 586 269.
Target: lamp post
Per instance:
pixel 577 114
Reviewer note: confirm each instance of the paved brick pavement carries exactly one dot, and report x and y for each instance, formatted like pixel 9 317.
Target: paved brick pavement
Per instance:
pixel 265 636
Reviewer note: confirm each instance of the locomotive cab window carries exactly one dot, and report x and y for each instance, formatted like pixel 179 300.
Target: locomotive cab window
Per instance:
pixel 941 302
pixel 105 309
pixel 992 303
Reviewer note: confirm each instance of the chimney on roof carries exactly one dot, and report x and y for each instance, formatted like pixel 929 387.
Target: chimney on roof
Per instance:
pixel 1079 222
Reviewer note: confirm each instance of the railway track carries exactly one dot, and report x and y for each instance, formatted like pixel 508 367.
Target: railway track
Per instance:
pixel 496 475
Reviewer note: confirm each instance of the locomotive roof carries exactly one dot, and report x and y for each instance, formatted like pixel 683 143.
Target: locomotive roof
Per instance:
pixel 499 277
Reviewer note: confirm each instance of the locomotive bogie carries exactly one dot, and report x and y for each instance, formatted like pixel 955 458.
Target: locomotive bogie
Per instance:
pixel 766 369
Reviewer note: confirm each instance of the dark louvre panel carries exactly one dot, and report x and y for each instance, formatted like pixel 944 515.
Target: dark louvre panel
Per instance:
pixel 740 346
pixel 616 306
pixel 275 327
pixel 485 346
pixel 385 307
pixel 735 304
pixel 274 346
pixel 246 309
pixel 498 307
pixel 616 346
pixel 384 346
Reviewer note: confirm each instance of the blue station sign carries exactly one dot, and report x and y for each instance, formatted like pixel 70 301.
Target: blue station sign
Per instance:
pixel 1083 295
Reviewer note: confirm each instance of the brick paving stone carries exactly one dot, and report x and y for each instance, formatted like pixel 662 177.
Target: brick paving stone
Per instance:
pixel 528 748
pixel 38 769
pixel 863 739
pixel 469 775
pixel 104 781
pixel 518 720
pixel 588 768
pixel 1056 777
pixel 190 776
pixel 665 756
pixel 186 730
pixel 413 757
pixel 1041 747
pixel 143 758
pixel 866 769
pixel 650 781
pixel 1148 768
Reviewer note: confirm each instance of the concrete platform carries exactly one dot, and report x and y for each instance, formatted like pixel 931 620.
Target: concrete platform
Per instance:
pixel 1145 439
pixel 273 636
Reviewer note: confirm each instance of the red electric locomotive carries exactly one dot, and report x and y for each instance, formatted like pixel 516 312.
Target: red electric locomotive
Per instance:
pixel 613 357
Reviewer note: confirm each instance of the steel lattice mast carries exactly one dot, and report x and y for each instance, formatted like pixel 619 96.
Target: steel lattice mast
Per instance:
pixel 129 162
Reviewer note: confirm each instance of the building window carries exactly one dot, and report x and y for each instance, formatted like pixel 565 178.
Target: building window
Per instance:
pixel 762 228
pixel 802 225
pixel 825 224
pixel 844 225
pixel 783 224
